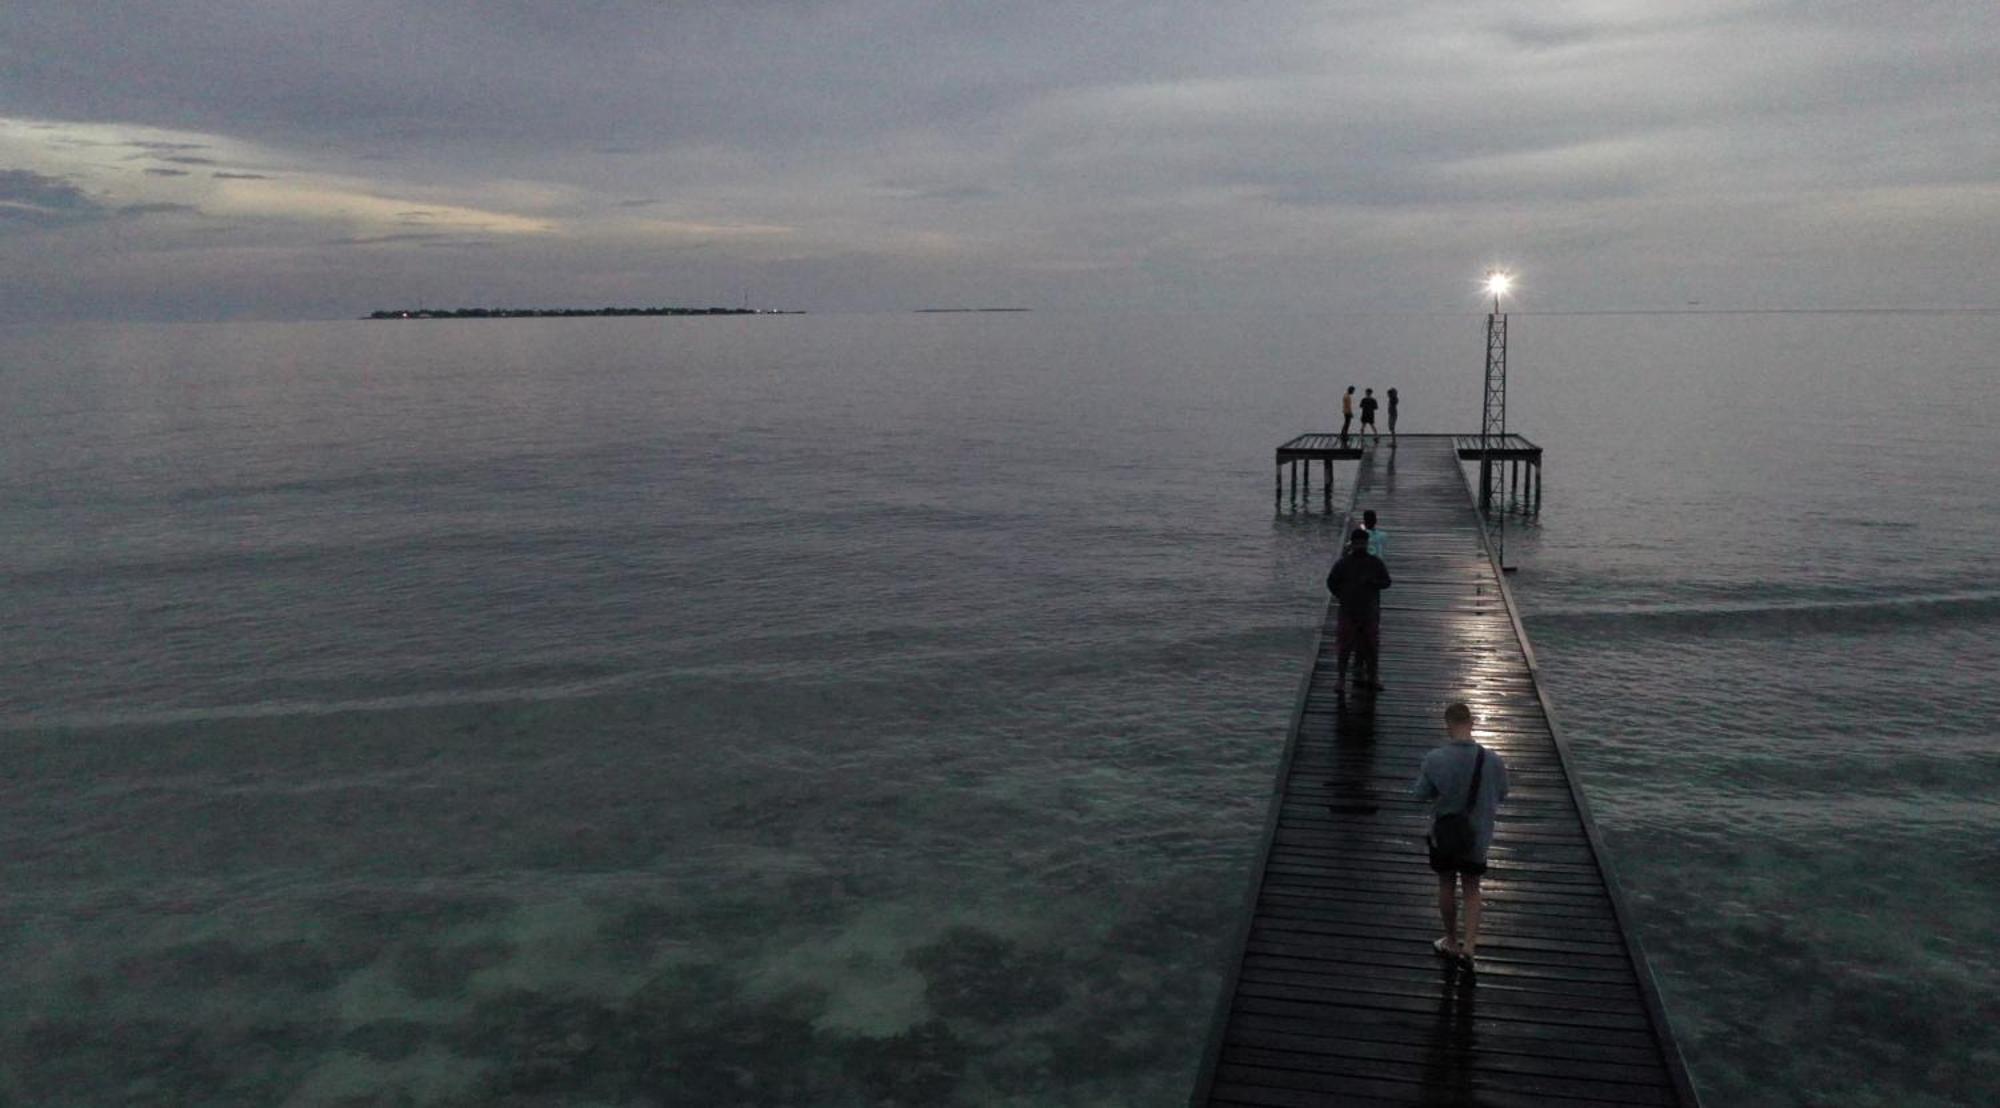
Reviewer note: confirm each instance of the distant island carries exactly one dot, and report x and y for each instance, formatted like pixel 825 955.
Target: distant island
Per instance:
pixel 565 313
pixel 972 309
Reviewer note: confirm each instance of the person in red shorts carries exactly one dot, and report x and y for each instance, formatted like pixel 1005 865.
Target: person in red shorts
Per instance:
pixel 1357 581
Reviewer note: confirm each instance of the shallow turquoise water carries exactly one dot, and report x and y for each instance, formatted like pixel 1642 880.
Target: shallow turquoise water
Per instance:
pixel 880 709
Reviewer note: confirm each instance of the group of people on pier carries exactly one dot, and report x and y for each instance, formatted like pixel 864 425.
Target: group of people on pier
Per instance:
pixel 1369 405
pixel 1462 779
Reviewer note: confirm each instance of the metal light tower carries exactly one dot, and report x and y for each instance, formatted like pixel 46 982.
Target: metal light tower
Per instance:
pixel 1493 413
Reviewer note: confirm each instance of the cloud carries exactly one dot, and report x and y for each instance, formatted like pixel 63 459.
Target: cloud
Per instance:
pixel 30 199
pixel 681 228
pixel 377 240
pixel 424 239
pixel 1124 146
pixel 362 204
pixel 28 188
pixel 942 192
pixel 159 208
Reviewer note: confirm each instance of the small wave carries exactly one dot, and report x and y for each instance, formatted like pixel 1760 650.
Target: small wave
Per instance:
pixel 1774 618
pixel 580 688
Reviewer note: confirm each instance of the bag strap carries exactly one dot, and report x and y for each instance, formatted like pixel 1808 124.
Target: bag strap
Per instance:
pixel 1472 794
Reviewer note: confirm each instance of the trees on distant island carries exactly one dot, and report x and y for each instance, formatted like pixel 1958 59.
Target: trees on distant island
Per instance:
pixel 529 313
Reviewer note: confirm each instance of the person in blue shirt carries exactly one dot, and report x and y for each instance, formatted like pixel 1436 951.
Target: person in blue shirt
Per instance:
pixel 1378 539
pixel 1446 780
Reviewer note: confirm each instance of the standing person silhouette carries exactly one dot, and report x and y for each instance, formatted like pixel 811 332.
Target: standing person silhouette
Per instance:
pixel 1346 413
pixel 1465 783
pixel 1378 539
pixel 1392 415
pixel 1368 406
pixel 1357 581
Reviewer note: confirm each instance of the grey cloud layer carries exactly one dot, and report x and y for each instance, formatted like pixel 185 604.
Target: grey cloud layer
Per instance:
pixel 577 77
pixel 1222 146
pixel 29 199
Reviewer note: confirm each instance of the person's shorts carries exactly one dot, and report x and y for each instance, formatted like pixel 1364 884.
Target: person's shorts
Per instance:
pixel 1353 634
pixel 1446 865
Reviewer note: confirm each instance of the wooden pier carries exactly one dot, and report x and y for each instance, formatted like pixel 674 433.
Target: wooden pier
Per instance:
pixel 1328 447
pixel 1334 996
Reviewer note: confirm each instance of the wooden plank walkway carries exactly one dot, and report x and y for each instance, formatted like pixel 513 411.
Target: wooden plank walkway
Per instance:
pixel 1320 446
pixel 1317 446
pixel 1336 996
pixel 1327 447
pixel 1503 448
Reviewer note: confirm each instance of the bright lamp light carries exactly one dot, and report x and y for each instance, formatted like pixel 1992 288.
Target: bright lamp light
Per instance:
pixel 1497 283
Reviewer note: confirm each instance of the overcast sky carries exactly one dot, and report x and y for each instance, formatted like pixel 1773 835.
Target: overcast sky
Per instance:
pixel 322 158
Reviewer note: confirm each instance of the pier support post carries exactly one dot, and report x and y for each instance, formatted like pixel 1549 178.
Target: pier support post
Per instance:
pixel 1486 484
pixel 1278 496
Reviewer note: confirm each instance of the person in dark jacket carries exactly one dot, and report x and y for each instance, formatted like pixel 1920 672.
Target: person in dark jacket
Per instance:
pixel 1368 406
pixel 1357 581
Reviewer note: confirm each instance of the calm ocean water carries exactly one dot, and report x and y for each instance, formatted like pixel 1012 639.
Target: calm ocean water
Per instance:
pixel 880 709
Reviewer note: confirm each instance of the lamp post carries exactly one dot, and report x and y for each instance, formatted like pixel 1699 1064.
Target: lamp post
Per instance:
pixel 1493 414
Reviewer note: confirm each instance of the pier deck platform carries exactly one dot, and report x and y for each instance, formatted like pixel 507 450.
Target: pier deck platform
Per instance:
pixel 1327 447
pixel 1335 996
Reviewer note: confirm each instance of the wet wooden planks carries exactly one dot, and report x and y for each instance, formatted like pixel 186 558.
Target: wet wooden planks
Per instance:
pixel 1336 996
pixel 1319 446
pixel 1507 447
pixel 1330 446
